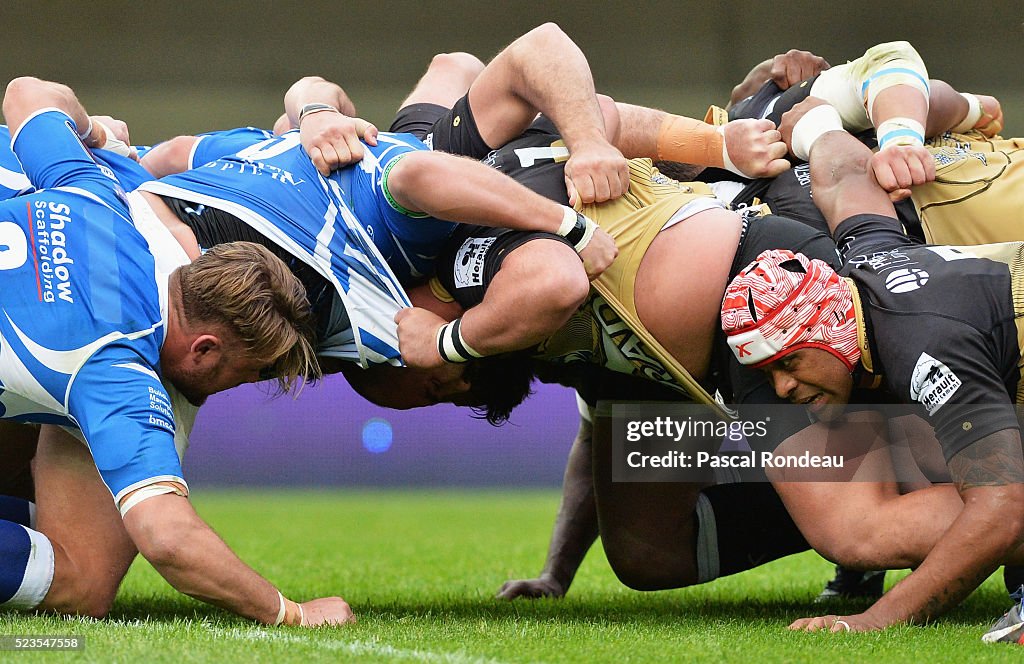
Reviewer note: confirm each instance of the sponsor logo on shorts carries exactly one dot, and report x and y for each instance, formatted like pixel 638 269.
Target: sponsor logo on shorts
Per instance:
pixel 932 383
pixel 469 262
pixel 906 280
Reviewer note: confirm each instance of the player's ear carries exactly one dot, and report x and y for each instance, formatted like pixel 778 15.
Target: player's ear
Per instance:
pixel 206 348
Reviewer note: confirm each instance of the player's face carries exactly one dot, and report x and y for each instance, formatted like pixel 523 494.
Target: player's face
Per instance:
pixel 196 384
pixel 814 378
pixel 403 387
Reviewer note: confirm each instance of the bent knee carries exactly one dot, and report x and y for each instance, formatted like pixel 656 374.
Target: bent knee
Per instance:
pixel 458 65
pixel 82 597
pixel 640 568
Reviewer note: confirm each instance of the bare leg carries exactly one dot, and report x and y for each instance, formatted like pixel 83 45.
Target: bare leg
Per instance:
pixel 648 529
pixel 76 512
pixel 447 80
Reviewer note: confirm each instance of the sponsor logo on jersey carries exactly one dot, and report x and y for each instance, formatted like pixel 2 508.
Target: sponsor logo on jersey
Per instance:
pixel 906 280
pixel 882 261
pixel 932 383
pixel 802 173
pixel 51 252
pixel 469 261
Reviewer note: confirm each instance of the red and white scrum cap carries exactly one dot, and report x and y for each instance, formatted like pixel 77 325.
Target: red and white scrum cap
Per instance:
pixel 783 302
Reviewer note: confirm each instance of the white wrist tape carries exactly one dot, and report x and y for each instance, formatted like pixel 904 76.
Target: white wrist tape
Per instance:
pixel 576 228
pixel 280 612
pixel 899 131
pixel 451 346
pixel 817 121
pixel 87 133
pixel 726 161
pixel 974 112
pixel 113 143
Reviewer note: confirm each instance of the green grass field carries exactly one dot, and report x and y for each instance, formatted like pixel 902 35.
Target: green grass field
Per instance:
pixel 420 569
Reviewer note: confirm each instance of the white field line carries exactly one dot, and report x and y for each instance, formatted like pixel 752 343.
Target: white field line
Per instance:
pixel 356 647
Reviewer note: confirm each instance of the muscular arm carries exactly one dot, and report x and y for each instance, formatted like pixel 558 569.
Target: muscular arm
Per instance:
pixel 842 180
pixel 990 477
pixel 754 147
pixel 26 95
pixel 466 191
pixel 545 72
pixel 537 288
pixel 575 528
pixel 193 559
pixel 314 89
pixel 785 69
pixel 169 157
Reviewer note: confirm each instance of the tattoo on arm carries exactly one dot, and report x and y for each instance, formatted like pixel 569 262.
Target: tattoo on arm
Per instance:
pixel 995 460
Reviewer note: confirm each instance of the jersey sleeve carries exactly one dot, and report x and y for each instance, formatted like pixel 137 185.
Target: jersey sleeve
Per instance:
pixel 52 154
pixel 216 144
pixel 472 257
pixel 127 419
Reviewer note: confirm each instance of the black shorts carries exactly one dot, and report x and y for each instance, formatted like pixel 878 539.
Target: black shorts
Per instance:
pixel 472 256
pixel 452 130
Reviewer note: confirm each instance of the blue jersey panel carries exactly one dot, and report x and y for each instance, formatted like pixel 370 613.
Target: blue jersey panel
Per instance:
pixel 274 187
pixel 75 277
pixel 126 416
pixel 216 144
pixel 14 182
pixel 409 243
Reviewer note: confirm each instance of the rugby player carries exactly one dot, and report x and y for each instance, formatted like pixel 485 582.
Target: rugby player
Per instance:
pixel 84 351
pixel 961 364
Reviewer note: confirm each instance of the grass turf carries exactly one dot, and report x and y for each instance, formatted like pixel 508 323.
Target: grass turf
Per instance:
pixel 420 569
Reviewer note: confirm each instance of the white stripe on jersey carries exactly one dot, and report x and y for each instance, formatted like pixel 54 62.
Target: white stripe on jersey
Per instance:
pixel 138 367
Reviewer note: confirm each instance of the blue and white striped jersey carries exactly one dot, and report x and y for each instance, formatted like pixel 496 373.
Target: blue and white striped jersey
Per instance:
pixel 346 225
pixel 83 310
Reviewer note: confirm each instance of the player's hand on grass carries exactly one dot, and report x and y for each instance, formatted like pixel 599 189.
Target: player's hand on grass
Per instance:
pixel 834 623
pixel 794 66
pixel 326 611
pixel 755 148
pixel 900 167
pixel 596 172
pixel 332 140
pixel 598 254
pixel 417 337
pixel 543 586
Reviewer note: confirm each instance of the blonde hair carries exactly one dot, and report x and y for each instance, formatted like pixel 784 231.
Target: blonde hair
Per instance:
pixel 250 291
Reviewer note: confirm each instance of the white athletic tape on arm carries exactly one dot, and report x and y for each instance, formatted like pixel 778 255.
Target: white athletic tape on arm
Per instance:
pixel 147 492
pixel 113 143
pixel 899 131
pixel 974 112
pixel 281 611
pixel 576 228
pixel 726 161
pixel 452 346
pixel 819 120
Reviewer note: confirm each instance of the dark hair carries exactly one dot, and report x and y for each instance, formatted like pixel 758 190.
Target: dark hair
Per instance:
pixel 500 383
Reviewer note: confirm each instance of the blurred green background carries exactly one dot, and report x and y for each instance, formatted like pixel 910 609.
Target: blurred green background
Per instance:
pixel 190 66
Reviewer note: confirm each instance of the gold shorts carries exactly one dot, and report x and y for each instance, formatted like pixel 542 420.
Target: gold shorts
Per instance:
pixel 978 193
